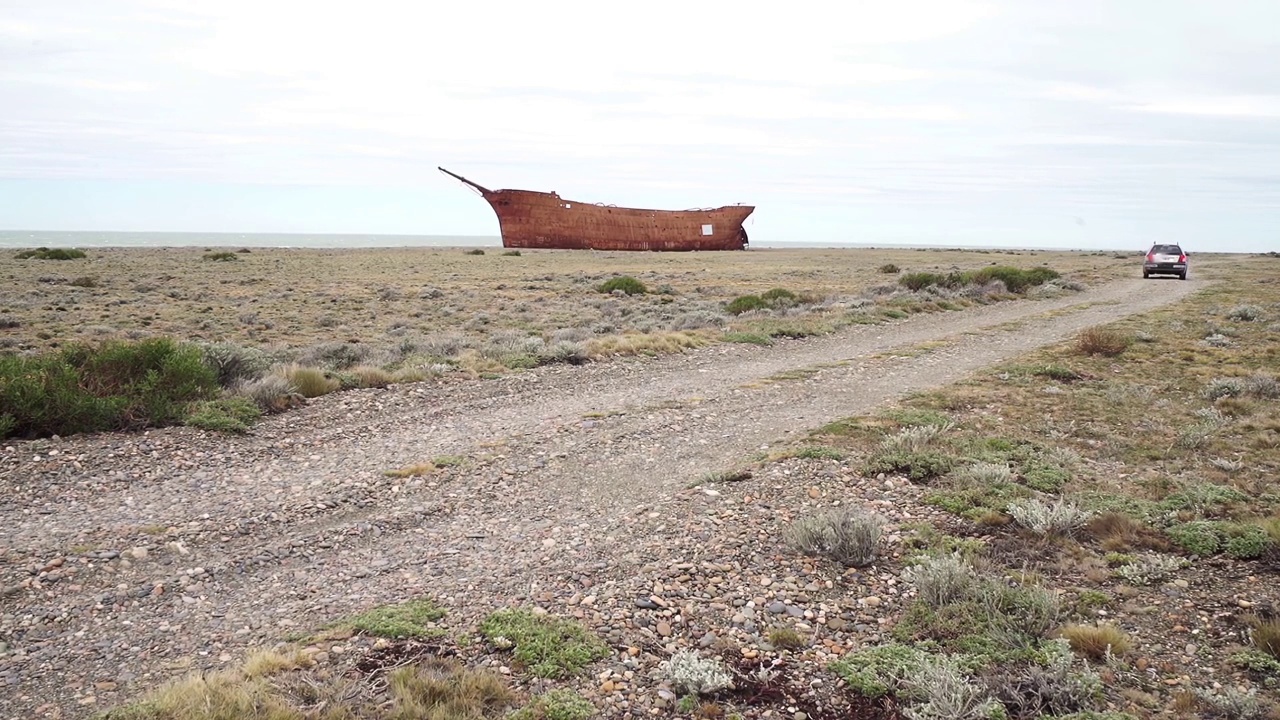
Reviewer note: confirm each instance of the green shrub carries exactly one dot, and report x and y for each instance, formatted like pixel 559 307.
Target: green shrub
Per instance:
pixel 407 620
pixel 1016 280
pixel 890 269
pixel 549 647
pixel 745 303
pixel 47 254
pixel 1044 476
pixel 1257 661
pixel 993 621
pixel 779 296
pixel 85 281
pixel 221 257
pixel 918 417
pixel 230 414
pixel 511 253
pixel 1247 542
pixel 1243 541
pixel 1058 372
pixel 817 452
pixel 625 283
pixel 474 251
pixel 119 385
pixel 920 280
pixel 751 338
pixel 1198 538
pixel 561 704
pixel 880 669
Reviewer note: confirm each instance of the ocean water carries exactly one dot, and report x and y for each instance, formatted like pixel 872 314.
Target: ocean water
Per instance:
pixel 97 239
pixel 32 239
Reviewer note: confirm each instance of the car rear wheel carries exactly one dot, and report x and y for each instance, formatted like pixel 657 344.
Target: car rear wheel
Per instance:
pixel 1183 276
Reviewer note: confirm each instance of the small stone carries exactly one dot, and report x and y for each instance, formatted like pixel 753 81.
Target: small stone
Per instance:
pixel 139 553
pixel 777 608
pixel 664 628
pixel 1244 604
pixel 871 601
pixel 646 604
pixel 707 640
pixel 815 493
pixel 1181 583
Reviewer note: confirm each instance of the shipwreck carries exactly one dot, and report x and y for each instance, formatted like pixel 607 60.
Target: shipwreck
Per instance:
pixel 545 220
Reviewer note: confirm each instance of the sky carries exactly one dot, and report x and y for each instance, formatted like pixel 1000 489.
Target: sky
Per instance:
pixel 1029 123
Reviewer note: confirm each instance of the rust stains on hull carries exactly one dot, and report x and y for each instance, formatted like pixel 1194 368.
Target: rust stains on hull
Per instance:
pixel 531 219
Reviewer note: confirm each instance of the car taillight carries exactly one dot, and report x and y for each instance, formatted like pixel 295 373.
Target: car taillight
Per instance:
pixel 1182 258
pixel 1151 257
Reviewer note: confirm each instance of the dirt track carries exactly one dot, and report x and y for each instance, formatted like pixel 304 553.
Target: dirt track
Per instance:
pixel 297 524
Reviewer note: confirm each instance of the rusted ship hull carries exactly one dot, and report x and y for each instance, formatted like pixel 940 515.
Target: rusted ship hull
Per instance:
pixel 531 219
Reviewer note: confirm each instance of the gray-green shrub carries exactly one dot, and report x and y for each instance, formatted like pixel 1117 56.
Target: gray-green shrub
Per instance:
pixel 848 536
pixel 234 363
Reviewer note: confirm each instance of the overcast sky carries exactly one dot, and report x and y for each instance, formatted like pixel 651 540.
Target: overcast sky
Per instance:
pixel 1090 123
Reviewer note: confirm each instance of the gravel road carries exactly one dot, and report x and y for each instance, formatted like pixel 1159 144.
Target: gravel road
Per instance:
pixel 127 559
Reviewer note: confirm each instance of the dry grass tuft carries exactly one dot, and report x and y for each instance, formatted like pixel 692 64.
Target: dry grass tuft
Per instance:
pixel 1096 641
pixel 368 376
pixel 411 471
pixel 1265 635
pixel 1117 532
pixel 308 381
pixel 787 638
pixel 270 662
pixel 217 695
pixel 1102 341
pixel 647 343
pixel 442 689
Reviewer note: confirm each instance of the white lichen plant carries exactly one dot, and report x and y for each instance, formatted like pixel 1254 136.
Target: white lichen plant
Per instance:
pixel 692 674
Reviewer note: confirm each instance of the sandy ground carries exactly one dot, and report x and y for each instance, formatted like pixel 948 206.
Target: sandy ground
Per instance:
pixel 282 299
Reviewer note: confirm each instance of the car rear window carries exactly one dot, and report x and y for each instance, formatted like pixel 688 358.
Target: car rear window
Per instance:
pixel 1167 249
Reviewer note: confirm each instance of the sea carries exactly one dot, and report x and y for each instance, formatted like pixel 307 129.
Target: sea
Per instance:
pixel 108 239
pixel 53 239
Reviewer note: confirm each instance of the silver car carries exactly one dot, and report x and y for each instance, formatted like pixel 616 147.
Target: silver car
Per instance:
pixel 1165 260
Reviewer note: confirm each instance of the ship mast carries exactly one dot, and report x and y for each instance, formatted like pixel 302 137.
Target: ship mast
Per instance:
pixel 483 190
